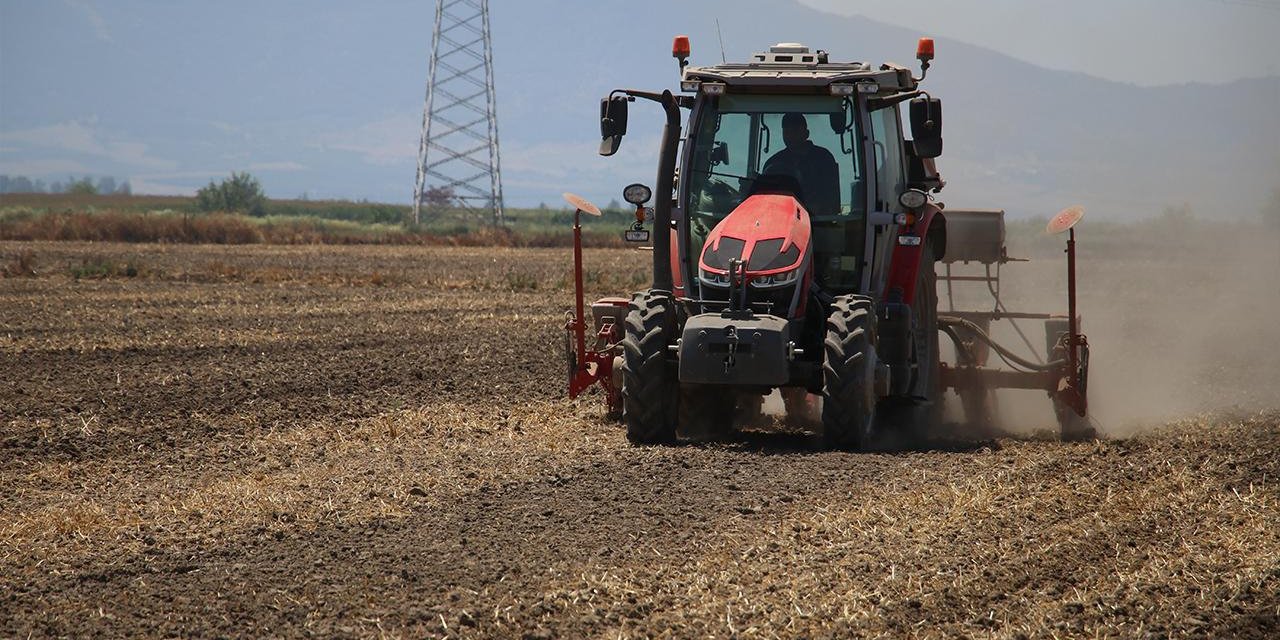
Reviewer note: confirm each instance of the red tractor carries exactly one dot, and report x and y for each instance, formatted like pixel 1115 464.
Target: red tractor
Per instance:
pixel 795 250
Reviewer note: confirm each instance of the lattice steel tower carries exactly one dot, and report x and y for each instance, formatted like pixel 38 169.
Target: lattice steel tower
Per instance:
pixel 458 151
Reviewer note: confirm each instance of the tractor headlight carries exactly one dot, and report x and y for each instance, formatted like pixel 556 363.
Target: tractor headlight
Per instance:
pixel 913 198
pixel 718 280
pixel 637 194
pixel 721 280
pixel 776 280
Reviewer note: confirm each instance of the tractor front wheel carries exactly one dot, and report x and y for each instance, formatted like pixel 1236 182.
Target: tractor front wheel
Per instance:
pixel 650 390
pixel 848 368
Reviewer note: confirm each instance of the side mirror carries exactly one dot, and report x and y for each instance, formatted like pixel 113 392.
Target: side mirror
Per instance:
pixel 613 124
pixel 926 126
pixel 720 153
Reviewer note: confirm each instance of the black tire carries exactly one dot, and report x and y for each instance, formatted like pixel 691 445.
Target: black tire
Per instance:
pixel 848 368
pixel 922 415
pixel 649 385
pixel 706 411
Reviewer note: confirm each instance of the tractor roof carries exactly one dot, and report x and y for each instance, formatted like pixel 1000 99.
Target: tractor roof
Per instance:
pixel 792 65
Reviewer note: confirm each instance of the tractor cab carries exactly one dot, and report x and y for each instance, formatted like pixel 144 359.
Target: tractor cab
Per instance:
pixel 792 123
pixel 793 191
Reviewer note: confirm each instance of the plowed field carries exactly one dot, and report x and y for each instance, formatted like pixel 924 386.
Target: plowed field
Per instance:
pixel 373 441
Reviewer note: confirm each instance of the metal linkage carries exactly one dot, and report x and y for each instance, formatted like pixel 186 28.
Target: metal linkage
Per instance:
pixel 458 149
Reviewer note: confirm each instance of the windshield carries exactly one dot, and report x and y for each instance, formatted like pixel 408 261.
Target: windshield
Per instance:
pixel 801 144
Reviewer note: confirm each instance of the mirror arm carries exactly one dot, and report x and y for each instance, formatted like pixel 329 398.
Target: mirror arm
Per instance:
pixel 632 94
pixel 875 104
pixel 684 102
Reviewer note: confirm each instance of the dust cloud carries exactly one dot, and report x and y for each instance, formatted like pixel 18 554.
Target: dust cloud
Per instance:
pixel 1182 317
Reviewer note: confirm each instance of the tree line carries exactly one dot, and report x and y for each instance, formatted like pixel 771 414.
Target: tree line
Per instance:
pixel 104 185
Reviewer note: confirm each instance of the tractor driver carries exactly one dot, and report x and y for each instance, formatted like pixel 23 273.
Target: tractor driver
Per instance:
pixel 811 165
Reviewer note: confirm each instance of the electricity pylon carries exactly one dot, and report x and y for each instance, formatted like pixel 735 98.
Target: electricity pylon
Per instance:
pixel 458 151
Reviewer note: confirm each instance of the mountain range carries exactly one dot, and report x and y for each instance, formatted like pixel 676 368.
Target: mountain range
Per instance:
pixel 327 102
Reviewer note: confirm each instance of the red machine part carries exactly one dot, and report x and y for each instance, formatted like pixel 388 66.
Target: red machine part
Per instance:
pixel 594 364
pixel 1072 389
pixel 907 252
pixel 759 218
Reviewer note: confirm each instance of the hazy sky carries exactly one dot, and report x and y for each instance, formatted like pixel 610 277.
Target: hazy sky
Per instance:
pixel 1147 42
pixel 324 97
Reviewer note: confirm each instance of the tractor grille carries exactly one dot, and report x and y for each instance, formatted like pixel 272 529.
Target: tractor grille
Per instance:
pixel 771 301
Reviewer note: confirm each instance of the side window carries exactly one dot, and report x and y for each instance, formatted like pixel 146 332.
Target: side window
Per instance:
pixel 734 140
pixel 890 176
pixel 720 163
pixel 825 134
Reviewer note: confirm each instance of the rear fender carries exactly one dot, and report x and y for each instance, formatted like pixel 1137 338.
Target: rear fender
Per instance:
pixel 908 250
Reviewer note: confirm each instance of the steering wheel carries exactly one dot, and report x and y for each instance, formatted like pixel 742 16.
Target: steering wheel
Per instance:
pixel 721 189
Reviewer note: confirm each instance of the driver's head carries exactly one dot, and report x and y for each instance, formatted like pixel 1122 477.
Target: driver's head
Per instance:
pixel 795 129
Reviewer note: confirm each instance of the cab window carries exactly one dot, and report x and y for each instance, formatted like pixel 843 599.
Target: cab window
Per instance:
pixel 809 144
pixel 886 136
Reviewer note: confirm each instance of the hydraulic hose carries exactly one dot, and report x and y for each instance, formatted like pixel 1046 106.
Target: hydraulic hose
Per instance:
pixel 1007 355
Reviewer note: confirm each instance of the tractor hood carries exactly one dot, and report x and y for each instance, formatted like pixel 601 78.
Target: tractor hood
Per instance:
pixel 769 232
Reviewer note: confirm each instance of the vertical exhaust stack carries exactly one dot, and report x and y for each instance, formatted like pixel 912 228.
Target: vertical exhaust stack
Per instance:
pixel 664 185
pixel 664 191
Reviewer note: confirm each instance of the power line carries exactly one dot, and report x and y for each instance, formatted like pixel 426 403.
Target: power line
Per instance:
pixel 458 148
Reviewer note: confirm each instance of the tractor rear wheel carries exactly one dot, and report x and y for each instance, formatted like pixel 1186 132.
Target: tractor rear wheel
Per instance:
pixel 848 367
pixel 921 413
pixel 649 385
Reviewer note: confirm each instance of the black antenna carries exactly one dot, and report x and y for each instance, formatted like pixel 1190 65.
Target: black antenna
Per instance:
pixel 721 38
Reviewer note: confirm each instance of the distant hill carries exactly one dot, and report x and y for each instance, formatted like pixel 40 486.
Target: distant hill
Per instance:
pixel 1018 136
pixel 325 103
